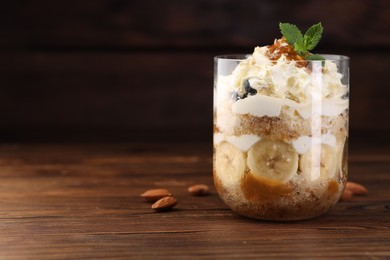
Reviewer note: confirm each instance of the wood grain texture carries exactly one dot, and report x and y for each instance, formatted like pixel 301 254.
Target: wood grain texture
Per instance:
pixel 82 201
pixel 167 93
pixel 192 23
pixel 118 70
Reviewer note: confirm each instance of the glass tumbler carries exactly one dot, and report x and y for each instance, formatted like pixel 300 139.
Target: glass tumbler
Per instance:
pixel 280 135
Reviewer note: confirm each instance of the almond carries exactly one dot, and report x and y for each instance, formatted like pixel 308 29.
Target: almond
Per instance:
pixel 356 188
pixel 347 195
pixel 165 203
pixel 199 190
pixel 155 194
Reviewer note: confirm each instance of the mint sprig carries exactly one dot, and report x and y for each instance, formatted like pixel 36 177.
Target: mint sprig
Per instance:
pixel 314 57
pixel 292 34
pixel 303 43
pixel 313 36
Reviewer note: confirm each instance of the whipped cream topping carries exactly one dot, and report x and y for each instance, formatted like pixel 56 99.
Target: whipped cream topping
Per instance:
pixel 284 84
pixel 261 105
pixel 243 142
pixel 218 138
pixel 304 143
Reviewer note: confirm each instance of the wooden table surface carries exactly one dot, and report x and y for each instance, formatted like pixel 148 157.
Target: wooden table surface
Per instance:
pixel 75 201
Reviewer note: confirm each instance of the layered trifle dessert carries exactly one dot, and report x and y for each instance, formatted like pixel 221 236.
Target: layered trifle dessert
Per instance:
pixel 280 132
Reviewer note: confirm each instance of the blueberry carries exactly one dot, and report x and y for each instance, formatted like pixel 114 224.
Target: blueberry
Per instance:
pixel 248 89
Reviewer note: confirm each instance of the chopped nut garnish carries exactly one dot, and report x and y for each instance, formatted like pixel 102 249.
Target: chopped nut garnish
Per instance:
pixel 281 47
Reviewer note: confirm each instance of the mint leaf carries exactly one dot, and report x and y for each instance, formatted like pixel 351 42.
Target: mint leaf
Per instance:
pixel 300 48
pixel 291 33
pixel 314 57
pixel 303 43
pixel 313 36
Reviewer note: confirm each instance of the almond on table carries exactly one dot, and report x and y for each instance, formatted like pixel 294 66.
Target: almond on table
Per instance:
pixel 165 203
pixel 199 190
pixel 351 189
pixel 356 188
pixel 347 195
pixel 155 194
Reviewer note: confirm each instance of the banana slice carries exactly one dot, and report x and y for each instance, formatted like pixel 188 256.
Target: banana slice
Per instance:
pixel 273 160
pixel 342 157
pixel 230 164
pixel 320 162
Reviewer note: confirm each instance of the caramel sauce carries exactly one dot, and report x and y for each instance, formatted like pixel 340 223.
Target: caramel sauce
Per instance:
pixel 257 189
pixel 281 47
pixel 216 129
pixel 333 188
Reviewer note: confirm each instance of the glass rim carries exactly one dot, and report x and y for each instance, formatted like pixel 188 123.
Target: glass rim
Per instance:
pixel 243 56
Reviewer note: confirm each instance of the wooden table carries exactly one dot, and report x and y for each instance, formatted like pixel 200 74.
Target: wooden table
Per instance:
pixel 79 201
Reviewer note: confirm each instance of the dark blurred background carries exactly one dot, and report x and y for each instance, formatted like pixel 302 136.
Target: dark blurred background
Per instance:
pixel 120 70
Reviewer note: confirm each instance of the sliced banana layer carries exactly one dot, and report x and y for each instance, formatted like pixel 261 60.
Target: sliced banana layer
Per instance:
pixel 342 157
pixel 230 164
pixel 273 160
pixel 320 162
